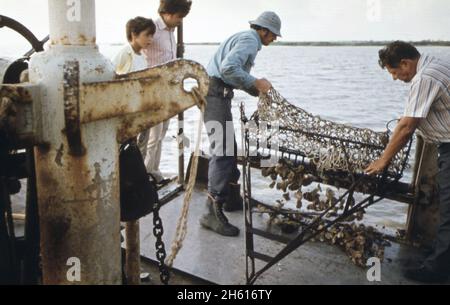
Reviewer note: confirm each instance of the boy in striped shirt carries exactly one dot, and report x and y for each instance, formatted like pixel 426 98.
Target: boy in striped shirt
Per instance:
pixel 162 50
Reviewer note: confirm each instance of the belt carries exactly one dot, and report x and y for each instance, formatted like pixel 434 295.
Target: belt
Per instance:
pixel 217 87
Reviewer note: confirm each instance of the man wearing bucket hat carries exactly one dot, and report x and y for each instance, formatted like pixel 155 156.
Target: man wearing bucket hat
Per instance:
pixel 229 69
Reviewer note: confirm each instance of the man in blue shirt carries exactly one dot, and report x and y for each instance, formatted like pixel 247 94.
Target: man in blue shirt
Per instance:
pixel 229 69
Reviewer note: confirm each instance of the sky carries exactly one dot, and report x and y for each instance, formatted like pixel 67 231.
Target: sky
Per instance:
pixel 303 20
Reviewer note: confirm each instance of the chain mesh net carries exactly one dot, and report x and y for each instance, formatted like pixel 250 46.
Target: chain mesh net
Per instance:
pixel 328 145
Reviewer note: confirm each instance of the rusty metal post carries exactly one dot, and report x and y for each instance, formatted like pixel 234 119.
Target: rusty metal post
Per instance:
pixel 180 136
pixel 133 254
pixel 76 111
pixel 423 214
pixel 77 167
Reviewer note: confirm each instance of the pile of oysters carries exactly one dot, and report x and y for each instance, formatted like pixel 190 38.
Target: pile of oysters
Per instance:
pixel 358 241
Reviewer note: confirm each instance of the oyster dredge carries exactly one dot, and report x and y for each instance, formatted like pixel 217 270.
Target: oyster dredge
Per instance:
pixel 93 210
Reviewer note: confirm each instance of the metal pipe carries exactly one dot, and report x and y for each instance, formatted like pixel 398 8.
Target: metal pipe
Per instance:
pixel 415 182
pixel 78 194
pixel 18 216
pixel 72 24
pixel 424 212
pixel 133 254
pixel 180 137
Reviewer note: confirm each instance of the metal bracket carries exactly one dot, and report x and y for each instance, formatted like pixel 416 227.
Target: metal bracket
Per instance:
pixel 142 99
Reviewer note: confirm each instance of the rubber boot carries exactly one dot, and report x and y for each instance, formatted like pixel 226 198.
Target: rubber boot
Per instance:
pixel 235 202
pixel 216 220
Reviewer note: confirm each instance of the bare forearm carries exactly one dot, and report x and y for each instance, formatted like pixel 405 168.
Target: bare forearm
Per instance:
pixel 400 137
pixel 405 129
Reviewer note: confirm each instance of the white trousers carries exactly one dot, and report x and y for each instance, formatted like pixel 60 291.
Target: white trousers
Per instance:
pixel 150 144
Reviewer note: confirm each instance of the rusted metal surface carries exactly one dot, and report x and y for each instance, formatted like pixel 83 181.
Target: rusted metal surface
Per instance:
pixel 78 195
pixel 78 216
pixel 156 90
pixel 72 23
pixel 142 99
pixel 72 108
pixel 7 119
pixel 85 111
pixel 21 117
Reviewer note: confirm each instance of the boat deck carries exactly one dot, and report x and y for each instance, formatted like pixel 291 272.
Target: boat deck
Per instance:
pixel 212 258
pixel 221 260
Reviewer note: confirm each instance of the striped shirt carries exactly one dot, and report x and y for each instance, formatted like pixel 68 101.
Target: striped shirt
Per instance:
pixel 163 47
pixel 429 98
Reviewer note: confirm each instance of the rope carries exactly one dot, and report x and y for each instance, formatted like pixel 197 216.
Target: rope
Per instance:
pixel 181 230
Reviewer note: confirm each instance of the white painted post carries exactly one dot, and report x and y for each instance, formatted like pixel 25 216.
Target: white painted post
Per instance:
pixel 77 169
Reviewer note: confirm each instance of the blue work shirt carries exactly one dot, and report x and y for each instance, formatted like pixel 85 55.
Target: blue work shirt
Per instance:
pixel 235 58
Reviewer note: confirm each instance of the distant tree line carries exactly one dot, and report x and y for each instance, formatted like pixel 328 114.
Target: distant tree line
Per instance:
pixel 361 43
pixel 346 43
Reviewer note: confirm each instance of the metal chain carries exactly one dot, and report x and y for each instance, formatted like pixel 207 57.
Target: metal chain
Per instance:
pixel 158 232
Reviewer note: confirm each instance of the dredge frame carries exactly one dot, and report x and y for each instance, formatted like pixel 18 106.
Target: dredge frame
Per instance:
pixel 385 185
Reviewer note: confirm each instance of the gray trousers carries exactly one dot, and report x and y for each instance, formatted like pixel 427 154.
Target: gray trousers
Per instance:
pixel 440 259
pixel 218 120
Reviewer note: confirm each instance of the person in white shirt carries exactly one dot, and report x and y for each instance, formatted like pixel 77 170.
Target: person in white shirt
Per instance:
pixel 140 33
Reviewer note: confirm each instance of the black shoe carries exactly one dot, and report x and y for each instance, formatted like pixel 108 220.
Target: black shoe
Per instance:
pixel 235 202
pixel 216 220
pixel 425 275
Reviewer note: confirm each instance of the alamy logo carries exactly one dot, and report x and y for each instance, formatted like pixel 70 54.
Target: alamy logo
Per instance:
pixel 374 272
pixel 374 10
pixel 74 10
pixel 74 272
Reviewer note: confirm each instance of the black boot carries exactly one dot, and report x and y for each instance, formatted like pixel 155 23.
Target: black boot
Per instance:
pixel 216 220
pixel 235 202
